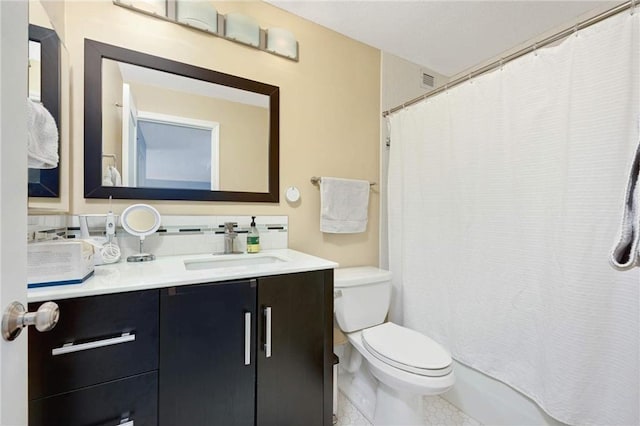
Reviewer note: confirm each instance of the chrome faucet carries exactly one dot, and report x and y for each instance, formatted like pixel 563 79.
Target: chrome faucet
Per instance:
pixel 229 236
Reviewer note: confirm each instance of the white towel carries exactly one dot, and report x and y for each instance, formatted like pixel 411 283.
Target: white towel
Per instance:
pixel 626 253
pixel 116 179
pixel 343 205
pixel 107 177
pixel 42 140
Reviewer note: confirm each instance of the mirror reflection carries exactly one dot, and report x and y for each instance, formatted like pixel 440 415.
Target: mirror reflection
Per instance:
pixel 158 129
pixel 43 112
pixel 35 70
pixel 161 130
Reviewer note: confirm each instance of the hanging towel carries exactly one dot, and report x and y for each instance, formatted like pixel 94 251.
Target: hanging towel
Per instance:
pixel 116 179
pixel 107 177
pixel 343 205
pixel 42 139
pixel 626 254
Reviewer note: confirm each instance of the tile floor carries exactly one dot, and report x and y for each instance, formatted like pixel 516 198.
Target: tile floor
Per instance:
pixel 437 411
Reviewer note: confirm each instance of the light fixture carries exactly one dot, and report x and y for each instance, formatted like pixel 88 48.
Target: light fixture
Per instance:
pixel 155 7
pixel 242 28
pixel 282 42
pixel 201 15
pixel 198 14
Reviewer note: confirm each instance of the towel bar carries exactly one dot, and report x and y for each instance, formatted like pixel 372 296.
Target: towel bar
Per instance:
pixel 316 181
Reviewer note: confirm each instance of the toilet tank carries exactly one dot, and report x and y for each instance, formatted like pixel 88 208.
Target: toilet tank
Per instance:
pixel 361 297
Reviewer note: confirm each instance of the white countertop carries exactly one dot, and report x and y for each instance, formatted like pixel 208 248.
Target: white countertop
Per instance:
pixel 168 271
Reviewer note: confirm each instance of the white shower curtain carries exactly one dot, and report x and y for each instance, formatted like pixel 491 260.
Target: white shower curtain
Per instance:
pixel 505 197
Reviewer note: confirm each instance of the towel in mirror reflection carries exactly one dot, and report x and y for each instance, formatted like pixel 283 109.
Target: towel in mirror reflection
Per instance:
pixel 42 137
pixel 111 177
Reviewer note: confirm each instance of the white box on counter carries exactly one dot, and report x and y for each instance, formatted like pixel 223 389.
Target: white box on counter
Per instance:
pixel 59 262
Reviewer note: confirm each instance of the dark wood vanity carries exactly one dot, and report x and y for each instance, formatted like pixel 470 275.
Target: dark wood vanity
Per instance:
pixel 244 352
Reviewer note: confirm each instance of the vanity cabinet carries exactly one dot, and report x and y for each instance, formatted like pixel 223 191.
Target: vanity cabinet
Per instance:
pixel 255 351
pixel 99 364
pixel 248 352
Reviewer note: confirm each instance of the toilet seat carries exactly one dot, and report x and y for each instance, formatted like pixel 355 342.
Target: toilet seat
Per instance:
pixel 407 350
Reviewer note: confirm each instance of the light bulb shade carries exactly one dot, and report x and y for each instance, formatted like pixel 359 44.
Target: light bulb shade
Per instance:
pixel 242 28
pixel 158 7
pixel 198 14
pixel 282 42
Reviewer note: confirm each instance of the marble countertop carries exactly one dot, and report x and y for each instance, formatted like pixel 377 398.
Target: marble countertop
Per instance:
pixel 168 271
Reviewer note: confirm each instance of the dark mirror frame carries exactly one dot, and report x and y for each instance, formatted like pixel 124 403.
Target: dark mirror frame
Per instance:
pixel 47 182
pixel 94 52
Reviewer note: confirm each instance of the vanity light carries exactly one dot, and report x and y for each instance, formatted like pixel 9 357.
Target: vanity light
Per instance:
pixel 201 15
pixel 156 7
pixel 282 42
pixel 242 28
pixel 198 14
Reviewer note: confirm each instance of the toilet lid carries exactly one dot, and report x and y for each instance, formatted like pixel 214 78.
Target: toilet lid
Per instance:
pixel 407 350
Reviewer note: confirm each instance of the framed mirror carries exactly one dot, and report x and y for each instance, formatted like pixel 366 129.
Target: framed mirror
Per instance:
pixel 44 87
pixel 158 129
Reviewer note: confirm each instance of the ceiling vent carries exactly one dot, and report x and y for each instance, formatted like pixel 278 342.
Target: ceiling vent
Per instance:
pixel 428 81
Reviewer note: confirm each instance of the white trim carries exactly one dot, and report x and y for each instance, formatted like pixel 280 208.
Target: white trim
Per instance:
pixel 129 177
pixel 13 203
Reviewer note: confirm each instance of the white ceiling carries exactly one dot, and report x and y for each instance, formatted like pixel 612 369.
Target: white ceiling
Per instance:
pixel 446 36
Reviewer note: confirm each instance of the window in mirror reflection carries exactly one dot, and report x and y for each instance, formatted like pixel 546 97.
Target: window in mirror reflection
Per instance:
pixel 159 163
pixel 170 131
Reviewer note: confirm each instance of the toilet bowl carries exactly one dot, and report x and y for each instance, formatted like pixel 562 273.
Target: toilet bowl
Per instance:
pixel 389 368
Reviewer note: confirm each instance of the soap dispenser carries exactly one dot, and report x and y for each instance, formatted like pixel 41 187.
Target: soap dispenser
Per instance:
pixel 253 238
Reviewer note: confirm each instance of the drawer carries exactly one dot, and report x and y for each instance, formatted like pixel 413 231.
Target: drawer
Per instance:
pixel 132 401
pixel 112 336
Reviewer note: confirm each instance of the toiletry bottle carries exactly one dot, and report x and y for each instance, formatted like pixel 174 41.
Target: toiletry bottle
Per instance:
pixel 253 238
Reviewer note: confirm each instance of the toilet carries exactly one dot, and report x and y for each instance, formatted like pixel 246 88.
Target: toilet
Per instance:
pixel 385 369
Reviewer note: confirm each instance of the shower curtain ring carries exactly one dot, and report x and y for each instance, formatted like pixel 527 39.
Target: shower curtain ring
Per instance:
pixel 575 30
pixel 535 49
pixel 501 63
pixel 633 6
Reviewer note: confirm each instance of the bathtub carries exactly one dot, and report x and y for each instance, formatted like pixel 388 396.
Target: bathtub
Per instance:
pixel 492 402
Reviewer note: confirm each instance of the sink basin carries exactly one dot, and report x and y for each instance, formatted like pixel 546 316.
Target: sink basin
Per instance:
pixel 231 261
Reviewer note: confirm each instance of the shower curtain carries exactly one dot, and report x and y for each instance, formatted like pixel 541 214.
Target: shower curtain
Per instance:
pixel 505 198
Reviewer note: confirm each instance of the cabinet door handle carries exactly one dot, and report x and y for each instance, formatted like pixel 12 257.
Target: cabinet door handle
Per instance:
pixel 70 347
pixel 247 338
pixel 126 423
pixel 267 343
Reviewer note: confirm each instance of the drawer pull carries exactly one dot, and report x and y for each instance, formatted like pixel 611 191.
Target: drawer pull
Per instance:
pixel 70 347
pixel 247 338
pixel 267 344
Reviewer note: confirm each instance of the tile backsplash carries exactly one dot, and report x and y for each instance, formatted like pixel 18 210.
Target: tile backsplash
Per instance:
pixel 178 235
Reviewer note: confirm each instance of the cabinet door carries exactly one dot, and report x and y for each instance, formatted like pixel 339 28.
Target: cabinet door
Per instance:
pixel 294 383
pixel 207 354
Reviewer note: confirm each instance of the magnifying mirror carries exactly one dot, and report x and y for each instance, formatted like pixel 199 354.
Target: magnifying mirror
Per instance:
pixel 140 220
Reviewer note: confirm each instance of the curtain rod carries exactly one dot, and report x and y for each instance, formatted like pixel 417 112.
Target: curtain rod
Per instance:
pixel 627 5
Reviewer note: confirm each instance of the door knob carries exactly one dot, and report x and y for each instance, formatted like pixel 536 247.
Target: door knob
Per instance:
pixel 15 318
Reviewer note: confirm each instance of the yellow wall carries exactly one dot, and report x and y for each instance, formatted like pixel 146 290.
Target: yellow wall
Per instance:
pixel 329 111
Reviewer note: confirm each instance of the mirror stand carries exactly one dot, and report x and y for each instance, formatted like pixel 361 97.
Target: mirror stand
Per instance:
pixel 141 256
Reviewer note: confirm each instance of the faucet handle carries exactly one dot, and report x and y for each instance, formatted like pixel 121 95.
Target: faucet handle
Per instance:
pixel 228 226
